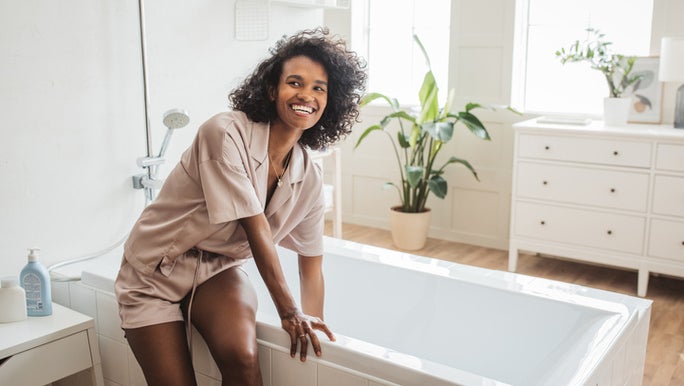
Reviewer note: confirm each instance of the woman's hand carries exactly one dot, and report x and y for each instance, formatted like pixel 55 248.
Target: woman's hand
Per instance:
pixel 300 328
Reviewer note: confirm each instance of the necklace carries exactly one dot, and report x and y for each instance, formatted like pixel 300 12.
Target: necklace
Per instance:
pixel 279 183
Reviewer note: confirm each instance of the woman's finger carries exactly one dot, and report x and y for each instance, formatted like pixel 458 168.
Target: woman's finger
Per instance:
pixel 304 347
pixel 293 341
pixel 315 343
pixel 324 327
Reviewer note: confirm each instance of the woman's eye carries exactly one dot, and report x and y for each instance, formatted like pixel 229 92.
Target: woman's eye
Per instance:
pixel 294 84
pixel 319 89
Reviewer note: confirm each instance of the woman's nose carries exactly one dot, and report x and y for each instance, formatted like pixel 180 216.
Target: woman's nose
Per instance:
pixel 304 96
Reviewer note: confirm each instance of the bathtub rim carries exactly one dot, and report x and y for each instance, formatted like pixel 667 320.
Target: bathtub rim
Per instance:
pixel 625 307
pixel 100 277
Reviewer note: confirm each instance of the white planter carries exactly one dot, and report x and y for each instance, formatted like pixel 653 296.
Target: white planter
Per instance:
pixel 409 230
pixel 616 111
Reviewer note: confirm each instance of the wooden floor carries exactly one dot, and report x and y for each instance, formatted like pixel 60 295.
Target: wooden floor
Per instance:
pixel 665 352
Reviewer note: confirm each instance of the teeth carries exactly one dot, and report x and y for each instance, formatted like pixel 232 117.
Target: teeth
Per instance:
pixel 304 109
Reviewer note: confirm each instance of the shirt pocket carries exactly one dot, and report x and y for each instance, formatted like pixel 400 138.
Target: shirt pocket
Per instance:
pixel 166 266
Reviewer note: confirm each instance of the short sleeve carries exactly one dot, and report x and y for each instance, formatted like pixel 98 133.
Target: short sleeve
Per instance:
pixel 228 192
pixel 307 237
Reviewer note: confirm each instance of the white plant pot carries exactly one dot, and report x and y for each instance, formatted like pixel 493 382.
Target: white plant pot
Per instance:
pixel 616 111
pixel 409 230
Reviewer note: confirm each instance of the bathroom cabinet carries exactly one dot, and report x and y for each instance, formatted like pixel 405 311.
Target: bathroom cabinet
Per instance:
pixel 606 195
pixel 46 349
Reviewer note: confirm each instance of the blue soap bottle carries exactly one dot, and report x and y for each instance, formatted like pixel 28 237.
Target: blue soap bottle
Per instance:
pixel 35 280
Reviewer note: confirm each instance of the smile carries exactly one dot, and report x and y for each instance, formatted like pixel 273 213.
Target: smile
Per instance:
pixel 302 109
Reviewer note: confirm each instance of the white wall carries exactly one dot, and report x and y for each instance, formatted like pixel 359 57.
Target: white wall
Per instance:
pixel 73 115
pixel 481 55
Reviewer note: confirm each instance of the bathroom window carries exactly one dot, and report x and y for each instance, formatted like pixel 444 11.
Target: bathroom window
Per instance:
pixel 542 83
pixel 384 33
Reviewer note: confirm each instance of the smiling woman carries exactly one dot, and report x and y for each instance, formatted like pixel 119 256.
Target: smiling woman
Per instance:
pixel 223 204
pixel 300 98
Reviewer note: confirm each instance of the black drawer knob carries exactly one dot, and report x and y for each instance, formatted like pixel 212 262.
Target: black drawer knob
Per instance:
pixel 547 147
pixel 609 232
pixel 616 153
pixel 612 190
pixel 542 222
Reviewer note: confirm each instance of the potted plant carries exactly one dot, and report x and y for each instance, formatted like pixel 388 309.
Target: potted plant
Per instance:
pixel 420 137
pixel 616 68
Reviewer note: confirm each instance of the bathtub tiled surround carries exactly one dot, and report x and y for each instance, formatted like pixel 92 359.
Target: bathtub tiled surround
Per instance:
pixel 535 331
pixel 95 298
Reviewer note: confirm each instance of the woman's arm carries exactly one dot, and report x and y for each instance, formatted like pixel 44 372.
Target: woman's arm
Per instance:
pixel 297 324
pixel 312 285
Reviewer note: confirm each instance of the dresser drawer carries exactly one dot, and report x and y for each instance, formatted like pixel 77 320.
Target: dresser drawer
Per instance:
pixel 584 186
pixel 48 362
pixel 666 240
pixel 668 196
pixel 587 228
pixel 586 150
pixel 670 157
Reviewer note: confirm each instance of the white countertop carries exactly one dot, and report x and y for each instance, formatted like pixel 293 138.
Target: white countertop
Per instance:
pixel 596 127
pixel 16 337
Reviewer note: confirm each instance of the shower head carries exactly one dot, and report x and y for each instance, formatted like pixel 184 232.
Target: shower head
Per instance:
pixel 176 118
pixel 173 119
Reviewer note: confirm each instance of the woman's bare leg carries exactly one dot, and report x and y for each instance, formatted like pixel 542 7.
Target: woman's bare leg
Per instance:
pixel 162 352
pixel 224 312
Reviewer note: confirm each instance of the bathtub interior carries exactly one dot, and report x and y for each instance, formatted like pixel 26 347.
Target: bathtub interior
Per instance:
pixel 459 324
pixel 454 321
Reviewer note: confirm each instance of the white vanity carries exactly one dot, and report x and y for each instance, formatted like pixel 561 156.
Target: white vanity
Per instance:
pixel 60 348
pixel 607 195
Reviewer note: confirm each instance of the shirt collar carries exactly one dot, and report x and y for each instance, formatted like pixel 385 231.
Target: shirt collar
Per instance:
pixel 258 149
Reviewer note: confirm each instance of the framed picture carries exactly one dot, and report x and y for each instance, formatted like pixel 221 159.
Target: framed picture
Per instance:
pixel 646 92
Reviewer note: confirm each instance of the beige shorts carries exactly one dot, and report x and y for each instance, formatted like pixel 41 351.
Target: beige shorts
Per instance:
pixel 146 300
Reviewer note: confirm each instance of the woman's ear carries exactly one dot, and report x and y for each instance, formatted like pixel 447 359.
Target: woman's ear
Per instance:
pixel 272 94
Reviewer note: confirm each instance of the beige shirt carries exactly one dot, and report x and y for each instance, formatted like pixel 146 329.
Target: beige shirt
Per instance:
pixel 221 178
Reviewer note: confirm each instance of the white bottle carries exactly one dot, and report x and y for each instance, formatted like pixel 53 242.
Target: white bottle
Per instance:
pixel 12 300
pixel 35 279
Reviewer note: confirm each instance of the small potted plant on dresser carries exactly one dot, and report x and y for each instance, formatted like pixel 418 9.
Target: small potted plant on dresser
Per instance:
pixel 420 137
pixel 616 68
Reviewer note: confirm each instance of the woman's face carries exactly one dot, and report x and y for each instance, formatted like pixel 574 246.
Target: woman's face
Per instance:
pixel 302 93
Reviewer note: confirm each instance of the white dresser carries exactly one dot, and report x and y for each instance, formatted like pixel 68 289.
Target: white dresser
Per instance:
pixel 607 195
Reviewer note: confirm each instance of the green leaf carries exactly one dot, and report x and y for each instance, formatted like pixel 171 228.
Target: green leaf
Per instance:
pixel 474 125
pixel 403 141
pixel 366 132
pixel 402 115
pixel 428 99
pixel 464 163
pixel 438 186
pixel 415 134
pixel 375 95
pixel 441 131
pixel 449 103
pixel 422 49
pixel 471 106
pixel 414 174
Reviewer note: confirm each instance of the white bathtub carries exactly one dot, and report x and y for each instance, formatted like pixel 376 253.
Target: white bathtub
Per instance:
pixel 409 320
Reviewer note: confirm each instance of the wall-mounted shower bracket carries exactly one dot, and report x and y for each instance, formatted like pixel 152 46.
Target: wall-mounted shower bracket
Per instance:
pixel 142 181
pixel 146 162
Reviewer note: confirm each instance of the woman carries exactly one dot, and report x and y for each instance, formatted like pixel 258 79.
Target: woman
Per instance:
pixel 245 184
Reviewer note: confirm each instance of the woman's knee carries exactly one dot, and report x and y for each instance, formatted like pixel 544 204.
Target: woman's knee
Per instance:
pixel 241 356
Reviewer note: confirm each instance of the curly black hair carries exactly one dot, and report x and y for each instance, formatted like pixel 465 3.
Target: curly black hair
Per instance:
pixel 346 84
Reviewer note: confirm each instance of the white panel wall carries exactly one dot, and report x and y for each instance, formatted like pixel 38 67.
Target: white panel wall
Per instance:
pixel 72 108
pixel 481 70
